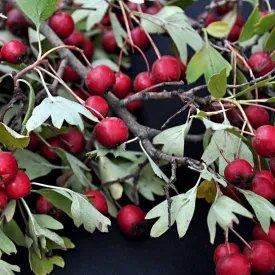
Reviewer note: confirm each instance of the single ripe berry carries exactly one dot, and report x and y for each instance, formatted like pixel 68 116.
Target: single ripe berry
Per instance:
pixel 98 104
pixel 263 187
pixel 100 79
pixel 238 171
pixel 223 9
pixel 131 220
pixel 153 10
pixel 257 116
pixel 233 264
pixel 239 21
pixel 14 52
pixel 62 23
pixel 19 187
pixel 259 234
pixel 49 153
pixel 80 94
pixel 88 48
pixel 16 23
pixel 8 167
pixel 261 256
pixel 111 132
pixel 264 142
pixel 272 165
pixel 108 42
pixel 265 174
pixel 225 249
pixel 122 86
pixel 34 141
pixel 43 206
pixel 234 33
pixel 105 20
pixel 69 73
pixel 76 39
pixel 75 141
pixel 209 19
pixel 166 69
pixel 134 105
pixel 140 38
pixel 98 200
pixel 3 199
pixel 135 7
pixel 144 81
pixel 260 63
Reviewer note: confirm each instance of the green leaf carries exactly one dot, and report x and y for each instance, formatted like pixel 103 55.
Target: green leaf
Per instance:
pixel 207 61
pixel 10 138
pixel 107 62
pixel 37 10
pixel 248 29
pixel 180 3
pixel 207 175
pixel 270 42
pixel 217 84
pixel 218 29
pixel 68 243
pixel 49 222
pixel 59 109
pixel 119 32
pixel 9 210
pixel 13 231
pixel 7 269
pixel 265 24
pixel 6 245
pixel 259 45
pixel 230 17
pixel 223 212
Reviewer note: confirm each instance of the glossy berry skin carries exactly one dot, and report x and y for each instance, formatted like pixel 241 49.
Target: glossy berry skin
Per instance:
pixel 47 152
pixel 135 7
pixel 261 256
pixel 144 80
pixel 105 20
pixel 264 142
pixel 272 165
pixel 16 23
pixel 182 71
pixel 223 250
pixel 140 38
pixel 265 174
pixel 62 23
pixel 14 52
pixel 100 79
pixel 111 132
pixel 233 264
pixel 76 38
pixel 131 220
pixel 43 206
pixel 238 171
pixel 259 234
pixel 222 10
pixel 257 116
pixel 76 139
pixel 134 105
pixel 239 21
pixel 34 142
pixel 98 200
pixel 234 33
pixel 19 187
pixel 166 69
pixel 99 104
pixel 211 18
pixel 153 10
pixel 3 199
pixel 260 63
pixel 8 167
pixel 88 48
pixel 108 42
pixel 69 74
pixel 122 86
pixel 263 187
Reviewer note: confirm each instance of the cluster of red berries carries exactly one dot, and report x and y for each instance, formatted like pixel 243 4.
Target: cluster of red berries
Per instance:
pixel 14 184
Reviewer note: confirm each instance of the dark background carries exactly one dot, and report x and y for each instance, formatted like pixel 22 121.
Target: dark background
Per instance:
pixel 112 253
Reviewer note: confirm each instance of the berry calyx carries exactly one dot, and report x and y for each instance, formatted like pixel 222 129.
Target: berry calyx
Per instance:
pixel 225 249
pixel 261 63
pixel 259 234
pixel 76 38
pixel 140 39
pixel 111 132
pixel 122 86
pixel 209 19
pixel 48 152
pixel 265 174
pixel 19 187
pixel 100 79
pixel 8 167
pixel 14 52
pixel 43 206
pixel 62 23
pixel 99 104
pixel 3 199
pixel 16 23
pixel 98 200
pixel 134 105
pixel 263 187
pixel 69 73
pixel 75 141
pixel 144 81
pixel 166 69
pixel 131 220
pixel 108 42
pixel 238 171
pixel 34 142
pixel 257 116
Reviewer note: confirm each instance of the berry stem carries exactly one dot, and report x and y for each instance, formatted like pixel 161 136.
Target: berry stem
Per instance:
pixel 259 162
pixel 153 44
pixel 120 55
pixel 240 237
pixel 2 40
pixel 271 55
pixel 235 72
pixel 144 57
pixel 44 84
pixel 240 141
pixel 226 240
pixel 262 106
pixel 126 22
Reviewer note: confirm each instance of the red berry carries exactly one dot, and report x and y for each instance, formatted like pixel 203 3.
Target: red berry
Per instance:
pixel 34 141
pixel 49 153
pixel 100 79
pixel 166 69
pixel 98 200
pixel 264 142
pixel 88 48
pixel 153 10
pixel 263 187
pixel 111 131
pixel 3 199
pixel 144 81
pixel 16 23
pixel 209 19
pixel 182 71
pixel 265 174
pixel 131 220
pixel 19 187
pixel 108 42
pixel 260 63
pixel 62 23
pixel 234 33
pixel 80 94
pixel 272 165
pixel 140 38
pixel 14 52
pixel 122 86
pixel 238 171
pixel 43 206
pixel 233 264
pixel 134 105
pixel 257 116
pixel 8 167
pixel 105 20
pixel 225 249
pixel 76 139
pixel 233 193
pixel 261 256
pixel 99 104
pixel 77 39
pixel 259 234
pixel 239 21
pixel 135 7
pixel 221 10
pixel 69 73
